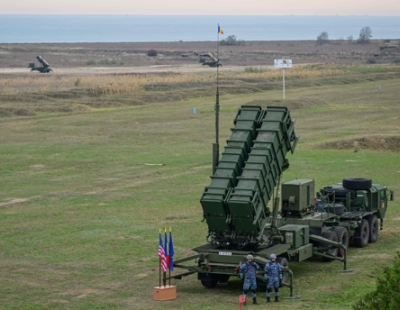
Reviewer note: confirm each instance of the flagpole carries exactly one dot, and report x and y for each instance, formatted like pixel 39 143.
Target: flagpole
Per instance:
pixel 159 273
pixel 165 247
pixel 217 62
pixel 171 254
pixel 159 265
pixel 169 272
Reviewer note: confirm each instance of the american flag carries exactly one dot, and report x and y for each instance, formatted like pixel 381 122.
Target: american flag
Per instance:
pixel 161 254
pixel 166 248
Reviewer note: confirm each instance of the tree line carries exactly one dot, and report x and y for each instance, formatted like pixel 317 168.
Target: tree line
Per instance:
pixel 364 37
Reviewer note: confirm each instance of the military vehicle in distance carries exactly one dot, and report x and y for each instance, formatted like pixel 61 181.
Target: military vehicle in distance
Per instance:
pixel 44 68
pixel 240 222
pixel 210 60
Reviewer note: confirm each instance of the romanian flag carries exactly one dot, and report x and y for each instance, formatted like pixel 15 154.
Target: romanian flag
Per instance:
pixel 166 248
pixel 220 31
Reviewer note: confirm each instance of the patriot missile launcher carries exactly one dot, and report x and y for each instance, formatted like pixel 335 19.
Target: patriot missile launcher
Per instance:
pixel 44 68
pixel 248 210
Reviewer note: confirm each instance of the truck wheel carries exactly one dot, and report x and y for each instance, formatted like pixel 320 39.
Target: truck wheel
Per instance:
pixel 339 192
pixel 336 208
pixel 343 237
pixel 357 183
pixel 373 228
pixel 284 263
pixel 361 235
pixel 330 235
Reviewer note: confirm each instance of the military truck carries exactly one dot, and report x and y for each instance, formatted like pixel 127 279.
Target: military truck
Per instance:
pixel 349 211
pixel 44 68
pixel 247 179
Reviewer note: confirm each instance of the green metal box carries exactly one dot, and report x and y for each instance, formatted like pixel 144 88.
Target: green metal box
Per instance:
pixel 297 195
pixel 296 235
pixel 302 253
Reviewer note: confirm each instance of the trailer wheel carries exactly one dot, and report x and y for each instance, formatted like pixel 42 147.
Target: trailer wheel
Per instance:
pixel 373 228
pixel 209 280
pixel 343 237
pixel 284 263
pixel 357 183
pixel 330 235
pixel 223 278
pixel 361 235
pixel 261 284
pixel 210 284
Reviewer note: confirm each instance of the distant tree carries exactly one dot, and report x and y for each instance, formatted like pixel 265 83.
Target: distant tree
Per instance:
pixel 350 38
pixel 387 293
pixel 231 40
pixel 91 62
pixel 365 35
pixel 322 38
pixel 152 53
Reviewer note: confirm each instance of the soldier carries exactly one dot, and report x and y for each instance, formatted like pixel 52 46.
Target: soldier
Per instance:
pixel 248 271
pixel 273 277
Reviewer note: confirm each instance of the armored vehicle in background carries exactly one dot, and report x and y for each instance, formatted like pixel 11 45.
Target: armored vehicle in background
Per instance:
pixel 44 68
pixel 210 60
pixel 241 205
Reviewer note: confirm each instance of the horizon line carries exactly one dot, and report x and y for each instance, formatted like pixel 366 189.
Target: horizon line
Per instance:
pixel 237 15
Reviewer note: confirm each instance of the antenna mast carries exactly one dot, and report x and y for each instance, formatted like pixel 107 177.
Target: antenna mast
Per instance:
pixel 216 108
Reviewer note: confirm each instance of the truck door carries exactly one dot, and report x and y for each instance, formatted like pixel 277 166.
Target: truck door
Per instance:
pixel 382 203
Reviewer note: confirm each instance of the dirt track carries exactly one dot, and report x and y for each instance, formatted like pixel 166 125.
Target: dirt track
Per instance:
pixel 185 68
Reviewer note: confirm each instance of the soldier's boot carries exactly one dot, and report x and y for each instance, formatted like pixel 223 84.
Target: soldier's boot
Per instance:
pixel 268 299
pixel 255 301
pixel 276 299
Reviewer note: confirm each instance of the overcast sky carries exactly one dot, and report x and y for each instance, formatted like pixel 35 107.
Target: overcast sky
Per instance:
pixel 201 7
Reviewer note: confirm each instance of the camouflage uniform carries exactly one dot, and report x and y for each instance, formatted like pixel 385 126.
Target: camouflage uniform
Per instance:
pixel 273 277
pixel 248 271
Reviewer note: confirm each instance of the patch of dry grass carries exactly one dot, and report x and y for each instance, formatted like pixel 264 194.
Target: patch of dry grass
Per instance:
pixel 82 93
pixel 378 143
pixel 125 83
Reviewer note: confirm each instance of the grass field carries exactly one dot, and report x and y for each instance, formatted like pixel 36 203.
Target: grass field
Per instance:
pixel 80 209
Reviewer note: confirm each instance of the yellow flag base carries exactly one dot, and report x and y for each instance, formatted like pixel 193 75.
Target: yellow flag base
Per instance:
pixel 162 293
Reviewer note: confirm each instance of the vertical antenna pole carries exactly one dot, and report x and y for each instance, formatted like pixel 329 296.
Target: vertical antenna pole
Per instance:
pixel 216 144
pixel 217 96
pixel 283 83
